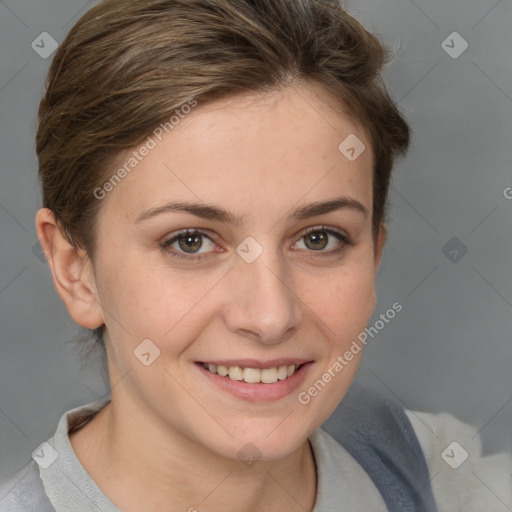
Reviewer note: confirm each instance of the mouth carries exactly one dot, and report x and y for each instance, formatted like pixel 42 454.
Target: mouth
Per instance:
pixel 253 375
pixel 253 381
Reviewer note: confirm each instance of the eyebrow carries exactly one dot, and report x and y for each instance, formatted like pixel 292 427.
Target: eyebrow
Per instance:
pixel 216 213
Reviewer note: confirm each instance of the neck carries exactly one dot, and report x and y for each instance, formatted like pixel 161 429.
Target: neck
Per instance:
pixel 179 474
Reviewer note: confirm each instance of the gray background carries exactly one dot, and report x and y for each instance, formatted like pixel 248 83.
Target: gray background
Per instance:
pixel 448 350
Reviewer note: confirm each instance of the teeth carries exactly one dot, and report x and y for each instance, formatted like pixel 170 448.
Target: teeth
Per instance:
pixel 282 372
pixel 236 373
pixel 269 375
pixel 253 375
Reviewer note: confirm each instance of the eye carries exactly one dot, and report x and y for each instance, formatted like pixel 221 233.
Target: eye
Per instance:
pixel 187 244
pixel 318 238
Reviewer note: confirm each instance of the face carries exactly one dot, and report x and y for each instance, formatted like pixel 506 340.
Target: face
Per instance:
pixel 262 279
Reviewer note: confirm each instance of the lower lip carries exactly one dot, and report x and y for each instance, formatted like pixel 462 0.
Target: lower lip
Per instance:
pixel 258 392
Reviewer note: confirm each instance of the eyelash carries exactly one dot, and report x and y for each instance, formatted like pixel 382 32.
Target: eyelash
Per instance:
pixel 344 239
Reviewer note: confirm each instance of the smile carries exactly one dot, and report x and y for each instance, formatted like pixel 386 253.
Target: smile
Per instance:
pixel 253 375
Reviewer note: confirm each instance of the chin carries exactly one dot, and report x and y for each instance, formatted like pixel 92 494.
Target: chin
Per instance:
pixel 265 443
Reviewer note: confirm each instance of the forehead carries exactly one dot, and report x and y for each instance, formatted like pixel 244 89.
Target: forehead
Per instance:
pixel 253 149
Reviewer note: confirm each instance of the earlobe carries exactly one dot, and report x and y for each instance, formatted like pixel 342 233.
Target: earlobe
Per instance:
pixel 72 271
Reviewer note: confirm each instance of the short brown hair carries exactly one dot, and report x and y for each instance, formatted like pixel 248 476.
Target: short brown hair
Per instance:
pixel 127 65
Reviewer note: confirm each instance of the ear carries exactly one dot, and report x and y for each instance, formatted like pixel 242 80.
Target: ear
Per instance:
pixel 379 246
pixel 72 271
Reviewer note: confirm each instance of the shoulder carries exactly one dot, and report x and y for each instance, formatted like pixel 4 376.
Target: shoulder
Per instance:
pixel 375 430
pixel 462 478
pixel 23 491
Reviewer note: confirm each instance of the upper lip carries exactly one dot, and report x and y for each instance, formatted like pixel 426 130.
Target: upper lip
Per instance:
pixel 254 363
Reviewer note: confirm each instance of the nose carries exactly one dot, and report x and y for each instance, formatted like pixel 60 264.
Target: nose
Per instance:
pixel 262 303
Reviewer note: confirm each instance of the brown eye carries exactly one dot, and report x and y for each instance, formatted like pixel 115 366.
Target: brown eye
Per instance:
pixel 187 244
pixel 190 243
pixel 325 241
pixel 316 240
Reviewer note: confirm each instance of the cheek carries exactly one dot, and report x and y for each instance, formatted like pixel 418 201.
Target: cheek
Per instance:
pixel 134 289
pixel 149 301
pixel 343 300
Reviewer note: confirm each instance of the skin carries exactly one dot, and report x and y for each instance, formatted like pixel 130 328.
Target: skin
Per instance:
pixel 260 156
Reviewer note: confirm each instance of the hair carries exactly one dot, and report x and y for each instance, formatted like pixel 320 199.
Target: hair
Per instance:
pixel 125 67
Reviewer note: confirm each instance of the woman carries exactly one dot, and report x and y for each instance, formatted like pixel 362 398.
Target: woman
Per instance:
pixel 214 178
